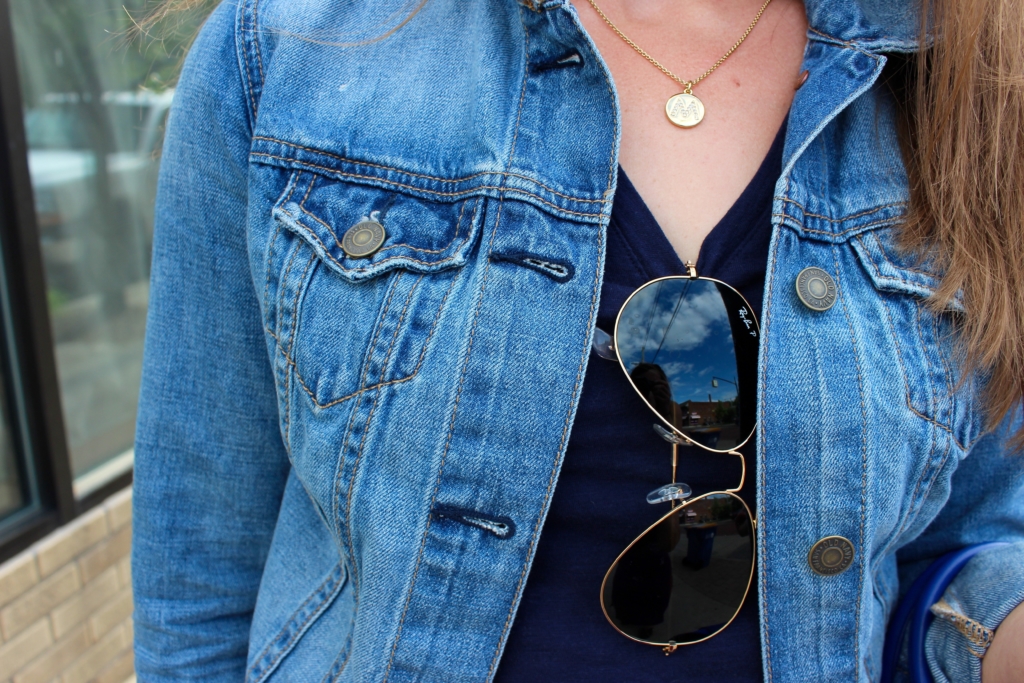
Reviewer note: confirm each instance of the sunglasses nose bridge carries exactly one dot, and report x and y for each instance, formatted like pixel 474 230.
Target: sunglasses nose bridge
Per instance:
pixel 743 472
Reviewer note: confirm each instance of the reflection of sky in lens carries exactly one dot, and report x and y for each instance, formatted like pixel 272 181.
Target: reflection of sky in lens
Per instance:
pixel 682 326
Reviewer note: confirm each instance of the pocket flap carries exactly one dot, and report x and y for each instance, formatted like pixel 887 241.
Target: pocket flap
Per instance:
pixel 420 236
pixel 892 269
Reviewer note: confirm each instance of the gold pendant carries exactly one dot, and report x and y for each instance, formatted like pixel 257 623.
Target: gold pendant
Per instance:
pixel 684 110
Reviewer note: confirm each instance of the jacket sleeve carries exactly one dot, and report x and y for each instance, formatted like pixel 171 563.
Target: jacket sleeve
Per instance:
pixel 210 465
pixel 986 504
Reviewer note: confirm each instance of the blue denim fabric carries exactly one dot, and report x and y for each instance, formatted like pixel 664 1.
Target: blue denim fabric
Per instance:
pixel 303 412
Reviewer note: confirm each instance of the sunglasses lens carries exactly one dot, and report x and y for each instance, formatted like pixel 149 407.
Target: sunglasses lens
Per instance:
pixel 686 577
pixel 690 350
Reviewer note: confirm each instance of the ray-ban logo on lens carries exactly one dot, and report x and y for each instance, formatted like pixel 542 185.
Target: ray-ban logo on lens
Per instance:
pixel 748 321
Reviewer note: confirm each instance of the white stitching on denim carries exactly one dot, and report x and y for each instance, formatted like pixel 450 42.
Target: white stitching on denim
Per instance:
pixel 427 177
pixel 906 381
pixel 256 40
pixel 444 455
pixel 371 387
pixel 287 353
pixel 458 229
pixel 392 246
pixel 240 20
pixel 334 673
pixel 885 255
pixel 762 568
pixel 340 471
pixel 373 408
pixel 863 227
pixel 465 368
pixel 977 634
pixel 864 461
pixel 406 259
pixel 460 193
pixel 290 189
pixel 583 360
pixel 336 574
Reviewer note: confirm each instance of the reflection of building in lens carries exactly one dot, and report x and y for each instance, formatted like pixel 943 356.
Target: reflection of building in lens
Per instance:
pixel 711 423
pixel 695 413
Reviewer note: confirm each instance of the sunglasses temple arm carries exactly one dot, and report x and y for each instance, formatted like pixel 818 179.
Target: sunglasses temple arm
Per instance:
pixel 743 471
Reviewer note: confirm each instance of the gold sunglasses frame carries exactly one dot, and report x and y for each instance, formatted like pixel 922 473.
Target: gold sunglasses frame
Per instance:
pixel 672 646
pixel 615 338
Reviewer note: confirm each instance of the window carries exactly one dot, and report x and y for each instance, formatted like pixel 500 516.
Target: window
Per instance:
pixel 83 108
pixel 16 492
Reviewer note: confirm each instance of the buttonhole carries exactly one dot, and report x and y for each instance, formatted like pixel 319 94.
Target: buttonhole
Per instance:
pixel 502 527
pixel 569 59
pixel 556 269
pixel 383 210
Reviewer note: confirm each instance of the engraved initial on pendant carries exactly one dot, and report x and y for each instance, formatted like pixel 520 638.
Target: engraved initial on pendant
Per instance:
pixel 684 110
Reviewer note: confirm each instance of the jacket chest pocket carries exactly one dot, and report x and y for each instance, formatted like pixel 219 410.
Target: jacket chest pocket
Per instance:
pixel 925 339
pixel 345 324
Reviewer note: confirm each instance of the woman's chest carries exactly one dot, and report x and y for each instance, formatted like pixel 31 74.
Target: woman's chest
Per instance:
pixel 689 177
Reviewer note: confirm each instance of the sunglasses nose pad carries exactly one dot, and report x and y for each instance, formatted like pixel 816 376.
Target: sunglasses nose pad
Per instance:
pixel 675 491
pixel 604 344
pixel 669 436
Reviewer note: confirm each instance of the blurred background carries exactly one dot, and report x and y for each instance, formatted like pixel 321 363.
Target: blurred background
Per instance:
pixel 84 98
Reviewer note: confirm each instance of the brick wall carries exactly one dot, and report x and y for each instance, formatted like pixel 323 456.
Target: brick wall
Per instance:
pixel 66 602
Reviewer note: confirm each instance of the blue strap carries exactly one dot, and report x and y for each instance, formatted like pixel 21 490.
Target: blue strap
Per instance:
pixel 915 608
pixel 898 624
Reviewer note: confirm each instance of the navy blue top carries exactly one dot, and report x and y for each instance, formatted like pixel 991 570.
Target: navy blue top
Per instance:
pixel 614 459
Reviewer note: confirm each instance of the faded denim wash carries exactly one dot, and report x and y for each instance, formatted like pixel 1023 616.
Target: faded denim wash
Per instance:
pixel 303 413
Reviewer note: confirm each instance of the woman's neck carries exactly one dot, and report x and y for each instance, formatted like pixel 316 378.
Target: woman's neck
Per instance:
pixel 689 177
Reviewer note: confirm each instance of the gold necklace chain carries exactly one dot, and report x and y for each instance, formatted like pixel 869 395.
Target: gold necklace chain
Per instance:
pixel 689 110
pixel 686 84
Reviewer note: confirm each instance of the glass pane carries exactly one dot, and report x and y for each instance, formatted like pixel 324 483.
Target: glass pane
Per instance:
pixel 95 105
pixel 12 484
pixel 17 482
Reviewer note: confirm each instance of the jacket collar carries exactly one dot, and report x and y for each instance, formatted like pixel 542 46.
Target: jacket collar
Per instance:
pixel 873 25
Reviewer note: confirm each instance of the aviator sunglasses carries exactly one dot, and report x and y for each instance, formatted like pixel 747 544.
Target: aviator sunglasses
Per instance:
pixel 688 346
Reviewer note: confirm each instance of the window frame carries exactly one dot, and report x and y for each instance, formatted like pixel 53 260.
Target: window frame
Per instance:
pixel 26 340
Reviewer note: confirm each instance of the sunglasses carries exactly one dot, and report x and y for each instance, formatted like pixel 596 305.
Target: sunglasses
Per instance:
pixel 688 346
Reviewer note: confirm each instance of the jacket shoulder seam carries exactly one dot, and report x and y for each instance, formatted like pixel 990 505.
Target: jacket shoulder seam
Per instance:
pixel 249 53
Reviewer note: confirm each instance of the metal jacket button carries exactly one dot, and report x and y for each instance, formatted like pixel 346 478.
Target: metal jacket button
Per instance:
pixel 363 239
pixel 831 555
pixel 816 289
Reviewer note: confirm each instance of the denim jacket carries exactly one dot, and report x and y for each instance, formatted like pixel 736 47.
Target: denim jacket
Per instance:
pixel 304 412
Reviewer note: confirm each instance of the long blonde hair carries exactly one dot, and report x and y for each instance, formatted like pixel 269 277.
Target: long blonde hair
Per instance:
pixel 963 147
